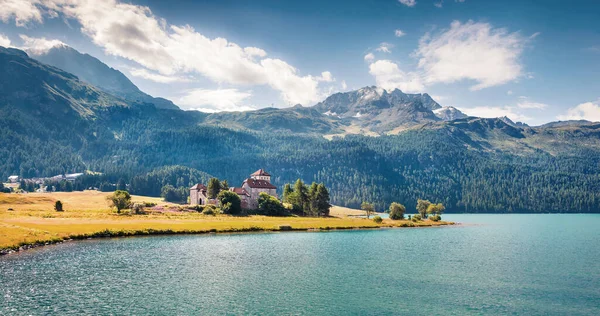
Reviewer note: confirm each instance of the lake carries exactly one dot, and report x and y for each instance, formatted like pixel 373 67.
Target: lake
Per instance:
pixel 492 264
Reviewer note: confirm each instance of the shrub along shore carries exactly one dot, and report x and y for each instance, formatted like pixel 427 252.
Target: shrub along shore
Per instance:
pixel 30 220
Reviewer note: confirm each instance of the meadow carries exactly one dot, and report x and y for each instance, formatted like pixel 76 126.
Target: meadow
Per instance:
pixel 30 219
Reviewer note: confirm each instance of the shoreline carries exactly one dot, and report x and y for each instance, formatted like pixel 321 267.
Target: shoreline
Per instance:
pixel 167 232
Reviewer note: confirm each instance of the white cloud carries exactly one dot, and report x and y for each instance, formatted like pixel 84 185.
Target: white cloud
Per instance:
pixel 439 98
pixel 408 3
pixel 4 41
pixel 144 73
pixel 23 11
pixel 509 92
pixel 369 57
pixel 493 112
pixel 326 76
pixel 586 111
pixel 525 103
pixel 216 100
pixel 38 46
pixel 385 47
pixel 439 4
pixel 399 33
pixel 472 51
pixel 344 85
pixel 135 33
pixel 255 52
pixel 389 76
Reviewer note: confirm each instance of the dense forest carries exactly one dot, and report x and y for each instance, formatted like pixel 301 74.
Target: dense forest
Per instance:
pixel 433 164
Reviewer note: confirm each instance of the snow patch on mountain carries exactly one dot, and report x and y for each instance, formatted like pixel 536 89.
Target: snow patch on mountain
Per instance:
pixel 449 113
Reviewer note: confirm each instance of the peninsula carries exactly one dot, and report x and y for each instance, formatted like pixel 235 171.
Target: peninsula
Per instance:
pixel 28 220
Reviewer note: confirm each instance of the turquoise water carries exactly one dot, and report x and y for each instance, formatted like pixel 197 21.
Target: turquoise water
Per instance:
pixel 494 264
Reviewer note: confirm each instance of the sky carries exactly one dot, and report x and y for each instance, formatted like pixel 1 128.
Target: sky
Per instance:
pixel 533 61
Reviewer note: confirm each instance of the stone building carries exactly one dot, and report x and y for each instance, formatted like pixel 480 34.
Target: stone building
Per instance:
pixel 198 195
pixel 259 181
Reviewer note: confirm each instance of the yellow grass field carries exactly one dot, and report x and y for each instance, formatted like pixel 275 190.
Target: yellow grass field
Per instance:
pixel 32 219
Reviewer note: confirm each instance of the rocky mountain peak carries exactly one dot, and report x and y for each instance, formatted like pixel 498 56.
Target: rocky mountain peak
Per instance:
pixel 449 113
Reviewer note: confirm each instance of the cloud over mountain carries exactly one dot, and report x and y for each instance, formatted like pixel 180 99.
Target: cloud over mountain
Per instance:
pixel 216 100
pixel 589 111
pixel 135 33
pixel 4 41
pixel 389 76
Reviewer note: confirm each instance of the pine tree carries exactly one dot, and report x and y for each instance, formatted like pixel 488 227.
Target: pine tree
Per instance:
pixel 301 197
pixel 322 200
pixel 312 200
pixel 287 193
pixel 214 187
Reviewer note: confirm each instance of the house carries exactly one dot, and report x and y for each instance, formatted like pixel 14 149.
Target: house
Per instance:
pixel 259 181
pixel 13 179
pixel 198 195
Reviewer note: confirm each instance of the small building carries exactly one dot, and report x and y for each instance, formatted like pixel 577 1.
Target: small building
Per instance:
pixel 198 195
pixel 13 179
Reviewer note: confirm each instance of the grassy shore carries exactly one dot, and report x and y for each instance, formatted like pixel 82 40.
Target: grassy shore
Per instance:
pixel 33 221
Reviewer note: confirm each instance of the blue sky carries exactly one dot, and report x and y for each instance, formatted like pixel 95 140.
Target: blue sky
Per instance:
pixel 534 61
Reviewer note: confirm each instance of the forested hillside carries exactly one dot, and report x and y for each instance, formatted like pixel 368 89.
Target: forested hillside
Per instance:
pixel 58 124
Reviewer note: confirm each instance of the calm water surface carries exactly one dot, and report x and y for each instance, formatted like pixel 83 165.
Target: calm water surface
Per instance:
pixel 494 264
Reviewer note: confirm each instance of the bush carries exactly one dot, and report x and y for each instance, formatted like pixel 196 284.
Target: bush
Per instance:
pixel 58 206
pixel 416 218
pixel 149 204
pixel 138 208
pixel 197 208
pixel 210 210
pixel 397 211
pixel 435 218
pixel 230 202
pixel 377 219
pixel 270 206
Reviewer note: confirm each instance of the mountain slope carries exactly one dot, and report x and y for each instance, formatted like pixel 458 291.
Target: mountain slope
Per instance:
pixel 95 72
pixel 41 90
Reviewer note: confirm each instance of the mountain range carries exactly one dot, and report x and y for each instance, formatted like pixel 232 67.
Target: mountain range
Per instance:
pixel 65 112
